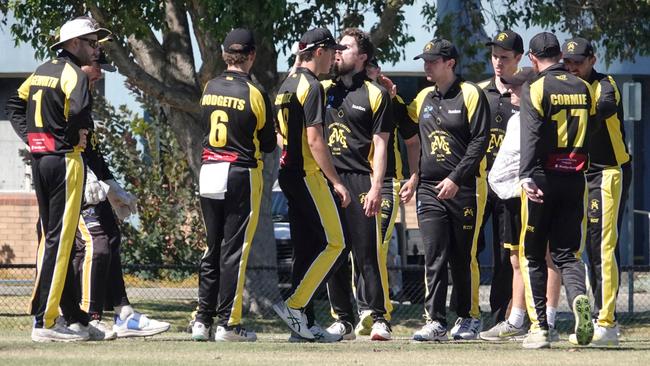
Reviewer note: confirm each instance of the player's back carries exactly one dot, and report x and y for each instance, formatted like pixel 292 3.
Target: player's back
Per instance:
pixel 300 103
pixel 55 92
pixel 234 109
pixel 564 103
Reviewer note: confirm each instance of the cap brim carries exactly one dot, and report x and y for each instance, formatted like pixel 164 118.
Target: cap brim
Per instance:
pixel 578 58
pixel 337 47
pixel 427 57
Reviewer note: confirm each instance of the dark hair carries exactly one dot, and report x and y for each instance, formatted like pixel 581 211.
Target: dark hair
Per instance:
pixel 307 55
pixel 364 45
pixel 445 59
pixel 238 57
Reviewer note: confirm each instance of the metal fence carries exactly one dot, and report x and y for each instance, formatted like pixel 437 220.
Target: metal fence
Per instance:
pixel 174 301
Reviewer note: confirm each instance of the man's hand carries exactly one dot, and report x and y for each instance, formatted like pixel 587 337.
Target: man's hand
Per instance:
pixel 372 202
pixel 408 189
pixel 388 84
pixel 93 191
pixel 343 194
pixel 121 200
pixel 83 138
pixel 448 189
pixel 533 192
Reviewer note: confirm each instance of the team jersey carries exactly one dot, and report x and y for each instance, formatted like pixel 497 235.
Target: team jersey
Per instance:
pixel 555 112
pixel 300 103
pixel 607 145
pixel 237 120
pixel 353 116
pixel 51 106
pixel 501 109
pixel 453 132
pixel 406 129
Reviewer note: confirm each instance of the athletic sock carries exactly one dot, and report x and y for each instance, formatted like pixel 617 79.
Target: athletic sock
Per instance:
pixel 516 317
pixel 124 311
pixel 550 316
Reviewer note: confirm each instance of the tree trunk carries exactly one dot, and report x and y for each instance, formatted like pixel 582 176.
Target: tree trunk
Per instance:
pixel 262 285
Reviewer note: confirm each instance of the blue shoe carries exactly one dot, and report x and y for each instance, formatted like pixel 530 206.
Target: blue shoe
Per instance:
pixel 138 325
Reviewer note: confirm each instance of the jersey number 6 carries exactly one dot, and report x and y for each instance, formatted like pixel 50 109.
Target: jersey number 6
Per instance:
pixel 218 128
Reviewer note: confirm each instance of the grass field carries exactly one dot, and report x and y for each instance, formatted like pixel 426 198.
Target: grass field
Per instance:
pixel 175 348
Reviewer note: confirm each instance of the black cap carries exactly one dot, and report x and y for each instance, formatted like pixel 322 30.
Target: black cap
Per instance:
pixel 438 48
pixel 318 37
pixel 239 36
pixel 373 62
pixel 508 40
pixel 521 76
pixel 544 45
pixel 577 49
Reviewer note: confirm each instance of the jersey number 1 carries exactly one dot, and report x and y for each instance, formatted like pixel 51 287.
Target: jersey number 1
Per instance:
pixel 38 118
pixel 563 127
pixel 218 128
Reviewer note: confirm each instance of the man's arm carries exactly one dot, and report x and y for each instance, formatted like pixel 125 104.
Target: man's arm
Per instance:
pixel 478 115
pixel 372 202
pixel 608 100
pixel 266 135
pixel 530 128
pixel 16 110
pixel 321 153
pixel 413 155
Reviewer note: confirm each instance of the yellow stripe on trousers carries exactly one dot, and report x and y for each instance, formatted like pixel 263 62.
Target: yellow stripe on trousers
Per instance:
pixel 331 223
pixel 481 200
pixel 86 283
pixel 583 224
pixel 523 265
pixel 382 249
pixel 74 179
pixel 256 186
pixel 39 264
pixel 611 190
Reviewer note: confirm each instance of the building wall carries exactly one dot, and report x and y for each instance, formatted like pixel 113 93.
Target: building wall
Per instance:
pixel 18 217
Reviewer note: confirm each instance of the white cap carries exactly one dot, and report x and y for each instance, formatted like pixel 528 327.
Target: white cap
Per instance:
pixel 79 27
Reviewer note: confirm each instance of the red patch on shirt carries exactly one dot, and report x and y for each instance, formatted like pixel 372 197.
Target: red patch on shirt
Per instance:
pixel 40 142
pixel 208 155
pixel 566 163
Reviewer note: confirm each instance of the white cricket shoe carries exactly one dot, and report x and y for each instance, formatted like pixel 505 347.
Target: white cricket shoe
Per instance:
pixel 343 329
pixel 433 330
pixel 58 333
pixel 381 331
pixel 320 336
pixel 138 325
pixel 605 336
pixel 200 332
pixel 466 328
pixel 234 334
pixel 102 331
pixel 364 327
pixel 295 319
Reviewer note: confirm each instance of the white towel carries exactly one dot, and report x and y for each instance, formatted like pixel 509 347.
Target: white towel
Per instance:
pixel 213 180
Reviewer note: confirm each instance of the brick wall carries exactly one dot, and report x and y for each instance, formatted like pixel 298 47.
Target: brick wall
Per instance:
pixel 18 216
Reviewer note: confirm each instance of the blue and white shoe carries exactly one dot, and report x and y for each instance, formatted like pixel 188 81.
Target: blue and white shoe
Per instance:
pixel 138 325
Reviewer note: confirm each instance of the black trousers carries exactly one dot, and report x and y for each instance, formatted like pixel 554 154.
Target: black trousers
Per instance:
pixel 317 234
pixel 505 232
pixel 230 225
pixel 449 230
pixel 97 261
pixel 58 182
pixel 560 223
pixel 608 189
pixel 369 251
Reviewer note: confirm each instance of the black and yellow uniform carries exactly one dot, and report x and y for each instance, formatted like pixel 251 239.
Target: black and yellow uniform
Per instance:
pixel 505 235
pixel 608 180
pixel 97 263
pixel 389 208
pixel 50 108
pixel 453 134
pixel 314 211
pixel 238 126
pixel 355 114
pixel 555 127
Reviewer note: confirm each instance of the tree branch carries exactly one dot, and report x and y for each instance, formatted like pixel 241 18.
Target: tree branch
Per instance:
pixel 177 44
pixel 387 21
pixel 209 48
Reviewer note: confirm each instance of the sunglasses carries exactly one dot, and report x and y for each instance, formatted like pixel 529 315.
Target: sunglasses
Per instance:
pixel 93 43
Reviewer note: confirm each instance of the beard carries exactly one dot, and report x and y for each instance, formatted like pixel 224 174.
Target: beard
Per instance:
pixel 342 68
